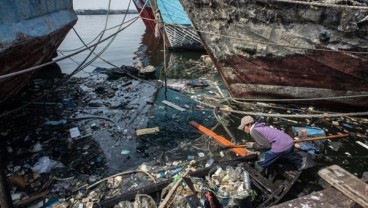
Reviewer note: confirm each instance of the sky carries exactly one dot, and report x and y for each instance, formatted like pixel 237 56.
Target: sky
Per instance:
pixel 102 4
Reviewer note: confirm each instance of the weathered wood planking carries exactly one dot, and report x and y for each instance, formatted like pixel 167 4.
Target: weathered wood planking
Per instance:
pixel 347 183
pixel 327 198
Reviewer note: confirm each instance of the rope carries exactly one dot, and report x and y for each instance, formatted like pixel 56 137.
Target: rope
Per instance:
pixel 65 57
pixel 323 115
pixel 299 99
pixel 90 41
pixel 323 4
pixel 111 64
pixel 290 99
pixel 107 46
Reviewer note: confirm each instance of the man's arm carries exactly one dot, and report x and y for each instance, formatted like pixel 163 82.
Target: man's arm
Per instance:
pixel 261 143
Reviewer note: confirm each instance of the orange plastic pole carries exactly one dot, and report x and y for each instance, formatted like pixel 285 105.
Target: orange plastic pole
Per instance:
pixel 321 137
pixel 219 139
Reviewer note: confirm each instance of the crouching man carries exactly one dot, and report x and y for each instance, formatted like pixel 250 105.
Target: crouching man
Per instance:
pixel 275 142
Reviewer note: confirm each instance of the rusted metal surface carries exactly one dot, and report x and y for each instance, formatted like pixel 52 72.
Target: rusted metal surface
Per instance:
pixel 327 198
pixel 285 50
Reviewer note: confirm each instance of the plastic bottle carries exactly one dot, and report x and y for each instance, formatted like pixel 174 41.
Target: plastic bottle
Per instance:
pixel 246 180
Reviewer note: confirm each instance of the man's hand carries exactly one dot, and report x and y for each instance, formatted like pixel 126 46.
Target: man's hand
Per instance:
pixel 249 144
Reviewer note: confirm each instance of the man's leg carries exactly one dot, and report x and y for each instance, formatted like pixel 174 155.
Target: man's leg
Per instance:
pixel 269 158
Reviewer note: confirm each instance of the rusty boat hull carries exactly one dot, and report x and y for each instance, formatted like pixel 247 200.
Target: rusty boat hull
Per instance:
pixel 287 49
pixel 30 35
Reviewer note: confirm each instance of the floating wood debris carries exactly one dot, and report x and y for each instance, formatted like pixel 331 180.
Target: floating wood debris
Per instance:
pixel 140 132
pixel 173 105
pixel 347 183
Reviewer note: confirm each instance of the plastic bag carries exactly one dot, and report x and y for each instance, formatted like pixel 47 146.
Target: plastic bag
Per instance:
pixel 45 165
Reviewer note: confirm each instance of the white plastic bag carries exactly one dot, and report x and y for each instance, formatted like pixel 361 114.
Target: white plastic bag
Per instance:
pixel 45 165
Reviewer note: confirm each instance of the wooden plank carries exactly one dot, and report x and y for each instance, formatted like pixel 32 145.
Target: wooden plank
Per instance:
pixel 140 132
pixel 347 183
pixel 219 139
pixel 173 105
pixel 327 198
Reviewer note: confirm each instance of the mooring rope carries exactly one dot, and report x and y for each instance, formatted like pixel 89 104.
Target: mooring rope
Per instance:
pixel 322 115
pixel 5 76
pixel 324 4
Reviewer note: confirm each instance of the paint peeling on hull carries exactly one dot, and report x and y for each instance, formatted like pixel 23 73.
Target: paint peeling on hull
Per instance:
pixel 30 33
pixel 293 77
pixel 285 49
pixel 31 52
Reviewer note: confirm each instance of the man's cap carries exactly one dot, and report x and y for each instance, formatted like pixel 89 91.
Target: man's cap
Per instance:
pixel 244 121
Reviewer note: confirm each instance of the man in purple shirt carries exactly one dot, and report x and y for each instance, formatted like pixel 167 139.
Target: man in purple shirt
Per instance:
pixel 275 142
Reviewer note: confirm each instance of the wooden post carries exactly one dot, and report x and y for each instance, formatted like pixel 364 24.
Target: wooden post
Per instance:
pixel 5 199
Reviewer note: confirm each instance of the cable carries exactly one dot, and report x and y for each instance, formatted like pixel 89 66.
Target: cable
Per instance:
pixel 323 4
pixel 323 115
pixel 111 64
pixel 90 41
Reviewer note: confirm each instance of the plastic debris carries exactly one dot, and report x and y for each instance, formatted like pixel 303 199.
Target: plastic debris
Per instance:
pixel 125 152
pixel 45 165
pixel 74 132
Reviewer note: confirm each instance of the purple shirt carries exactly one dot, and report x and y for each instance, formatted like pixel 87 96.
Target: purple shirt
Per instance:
pixel 267 137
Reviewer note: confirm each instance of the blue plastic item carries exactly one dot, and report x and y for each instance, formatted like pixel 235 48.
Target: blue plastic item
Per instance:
pixel 308 131
pixel 311 147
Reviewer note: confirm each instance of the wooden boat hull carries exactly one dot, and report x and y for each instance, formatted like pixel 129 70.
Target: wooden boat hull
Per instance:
pixel 30 37
pixel 178 36
pixel 146 14
pixel 286 49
